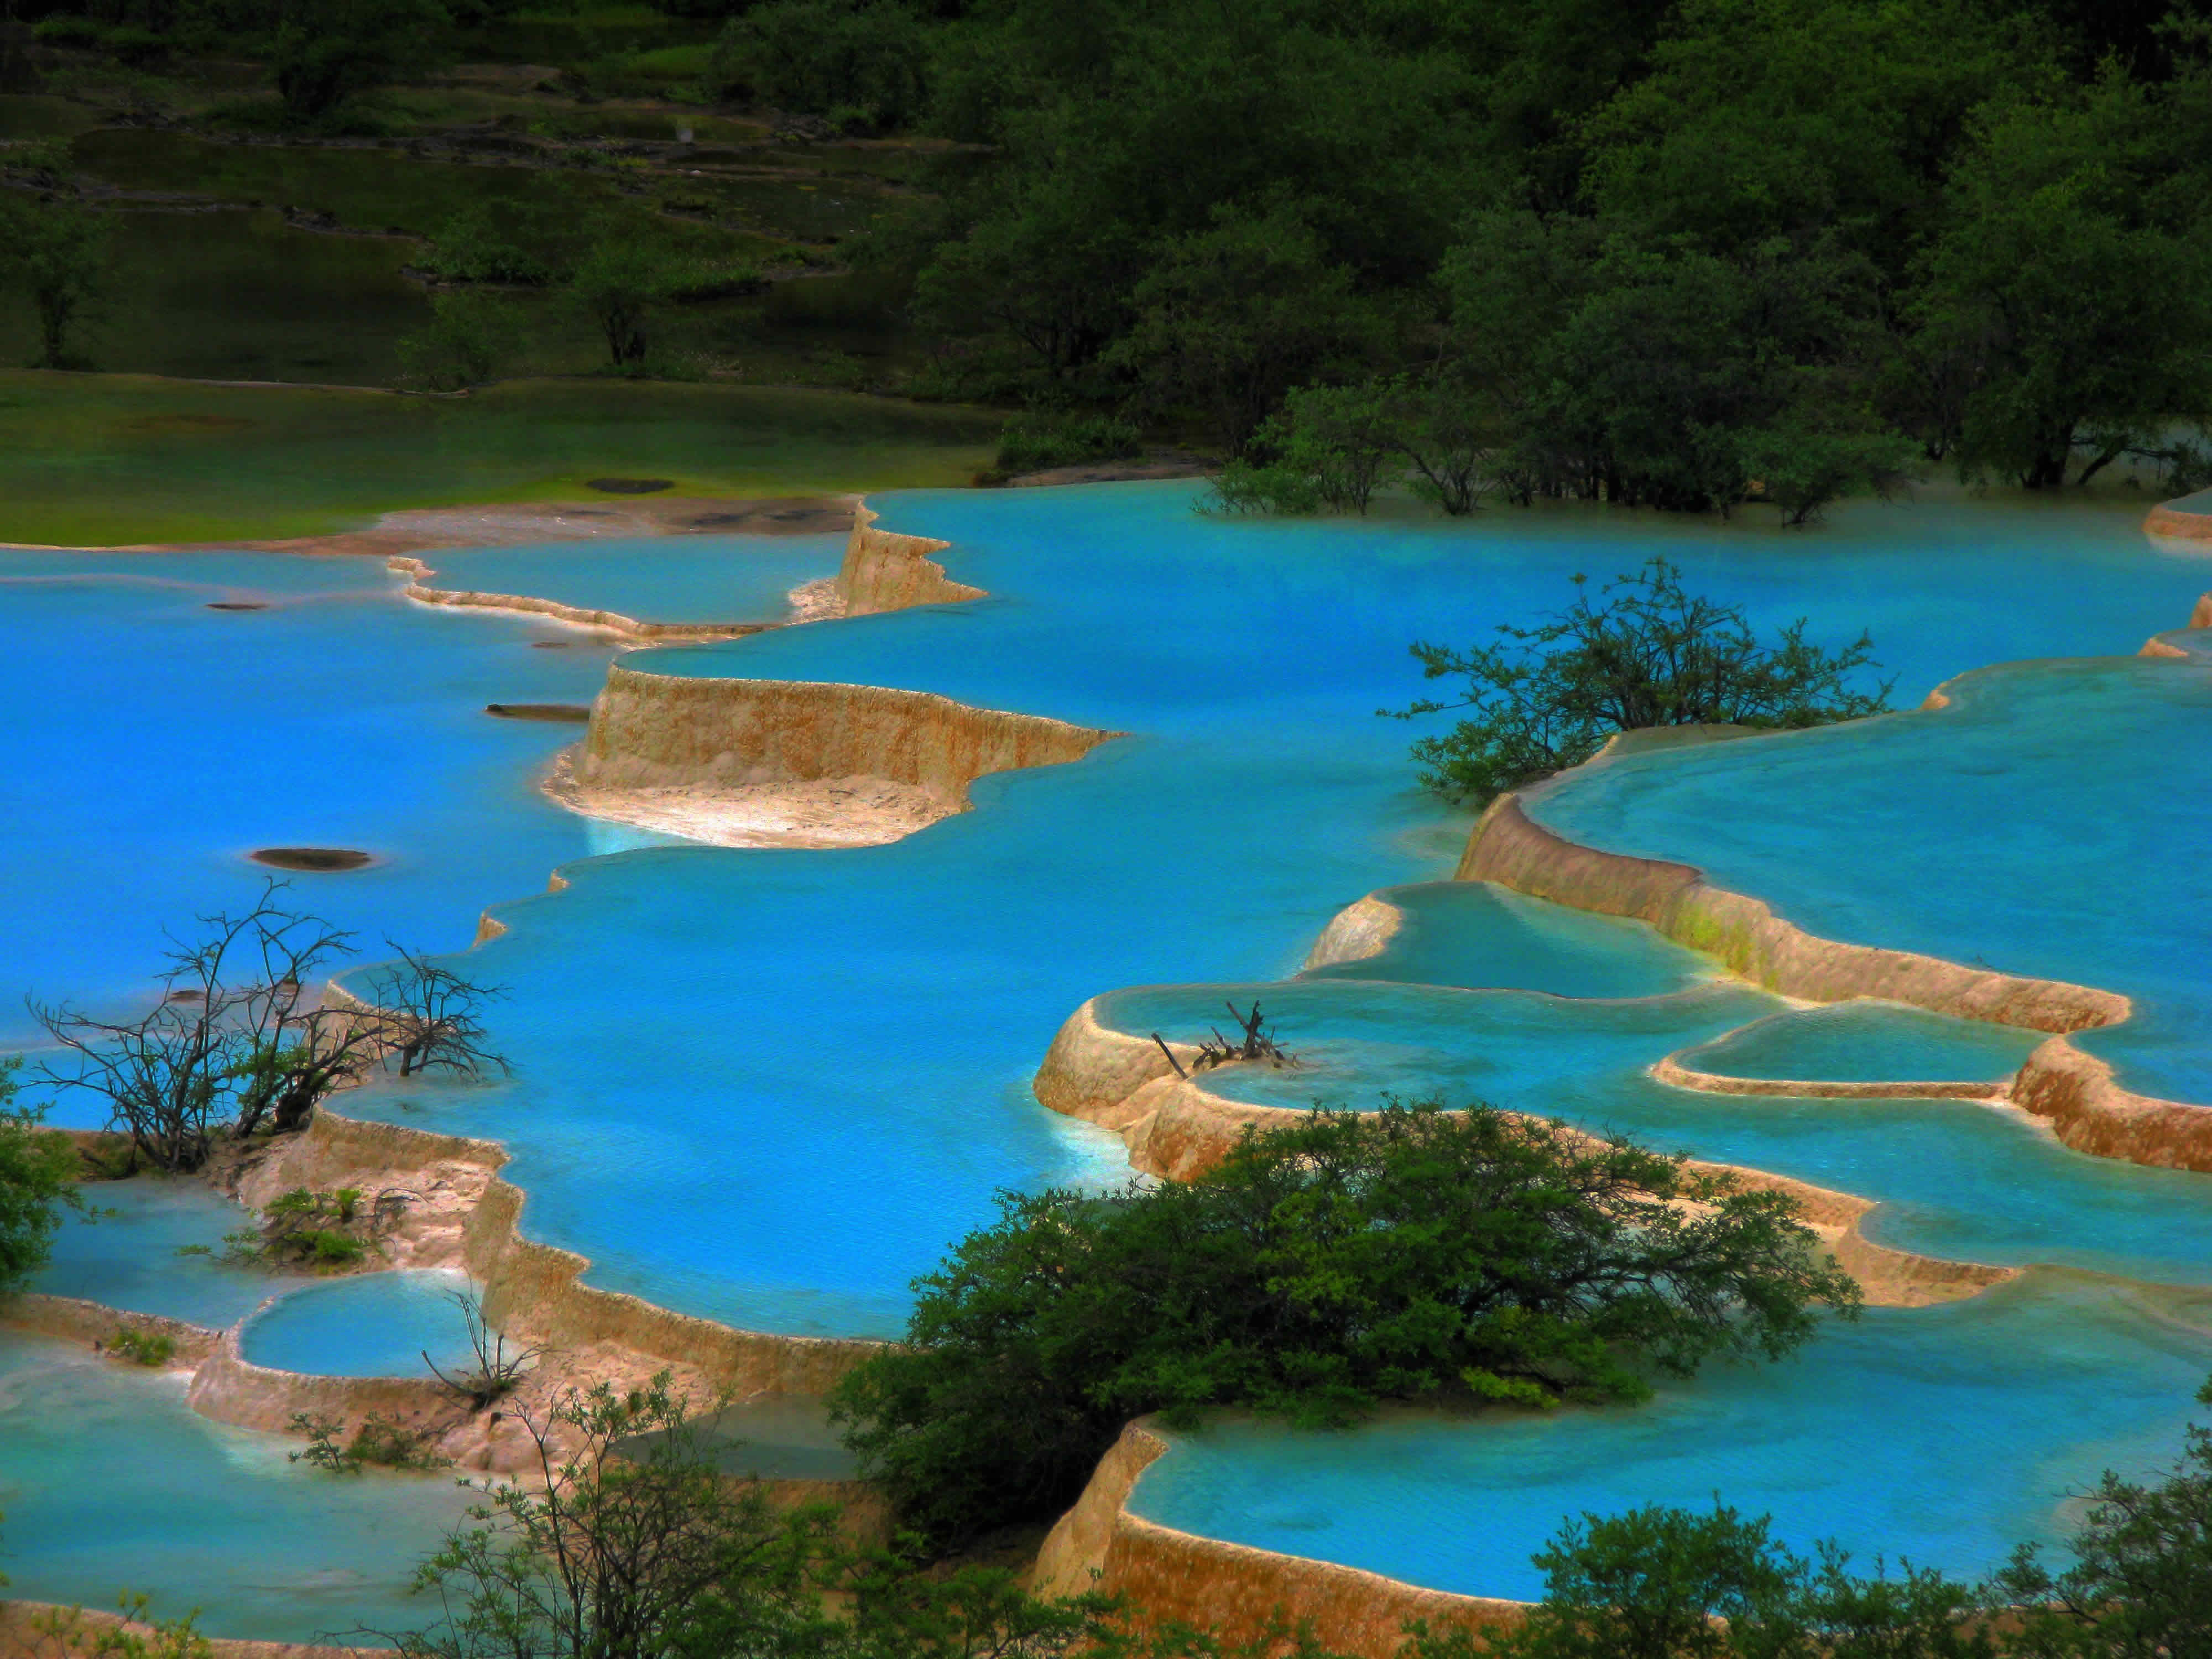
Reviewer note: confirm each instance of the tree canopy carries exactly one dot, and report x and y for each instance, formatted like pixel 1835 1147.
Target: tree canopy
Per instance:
pixel 1643 653
pixel 1404 1254
pixel 38 1180
pixel 1684 255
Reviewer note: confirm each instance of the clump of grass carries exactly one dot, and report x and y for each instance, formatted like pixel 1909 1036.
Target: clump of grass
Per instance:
pixel 380 1442
pixel 151 1349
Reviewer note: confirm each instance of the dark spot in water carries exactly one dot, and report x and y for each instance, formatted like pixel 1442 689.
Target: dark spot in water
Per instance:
pixel 310 857
pixel 236 605
pixel 629 486
pixel 573 713
pixel 555 645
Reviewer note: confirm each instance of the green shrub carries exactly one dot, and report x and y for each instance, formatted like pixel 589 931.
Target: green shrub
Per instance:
pixel 470 335
pixel 38 1180
pixel 1408 1254
pixel 147 1348
pixel 1275 487
pixel 323 1450
pixel 470 247
pixel 1642 653
pixel 1033 443
pixel 138 47
pixel 706 279
pixel 328 1248
pixel 388 1444
pixel 864 64
pixel 66 30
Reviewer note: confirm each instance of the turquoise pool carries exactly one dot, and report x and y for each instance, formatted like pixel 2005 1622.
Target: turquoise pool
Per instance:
pixel 110 1483
pixel 769 1086
pixel 378 1324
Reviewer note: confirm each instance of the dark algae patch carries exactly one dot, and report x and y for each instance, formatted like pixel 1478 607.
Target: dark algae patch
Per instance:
pixel 312 859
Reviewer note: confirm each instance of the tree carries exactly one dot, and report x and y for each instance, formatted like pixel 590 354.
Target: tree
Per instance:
pixel 1339 441
pixel 57 253
pixel 860 62
pixel 1801 464
pixel 38 1180
pixel 1659 1584
pixel 1233 316
pixel 1643 653
pixel 1048 267
pixel 328 50
pixel 1451 437
pixel 1408 1254
pixel 2140 1583
pixel 469 336
pixel 430 1016
pixel 1669 1583
pixel 617 286
pixel 2068 303
pixel 631 1543
pixel 239 1038
pixel 627 1544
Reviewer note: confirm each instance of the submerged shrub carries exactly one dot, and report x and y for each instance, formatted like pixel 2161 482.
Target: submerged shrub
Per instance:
pixel 1644 652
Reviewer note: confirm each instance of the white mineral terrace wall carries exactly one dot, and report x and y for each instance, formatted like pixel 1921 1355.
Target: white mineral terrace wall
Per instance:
pixel 886 571
pixel 661 730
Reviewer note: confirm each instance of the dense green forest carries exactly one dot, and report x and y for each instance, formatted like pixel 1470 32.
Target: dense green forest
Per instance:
pixel 1683 255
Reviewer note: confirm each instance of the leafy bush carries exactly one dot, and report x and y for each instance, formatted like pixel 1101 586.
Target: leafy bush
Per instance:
pixel 1645 653
pixel 1669 1583
pixel 66 29
pixel 388 1444
pixel 323 1450
pixel 134 44
pixel 646 1550
pixel 2141 1579
pixel 469 335
pixel 150 1348
pixel 861 64
pixel 701 280
pixel 470 247
pixel 1273 488
pixel 1033 443
pixel 38 1180
pixel 1408 1254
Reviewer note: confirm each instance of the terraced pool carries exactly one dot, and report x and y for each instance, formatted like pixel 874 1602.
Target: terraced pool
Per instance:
pixel 769 1086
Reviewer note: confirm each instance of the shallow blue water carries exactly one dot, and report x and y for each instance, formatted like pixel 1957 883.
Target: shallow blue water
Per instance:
pixel 777 1437
pixel 156 1245
pixel 378 1324
pixel 658 578
pixel 2047 824
pixel 770 1086
pixel 1474 933
pixel 854 1030
pixel 170 740
pixel 110 1483
pixel 1954 1178
pixel 1926 1436
pixel 1867 1042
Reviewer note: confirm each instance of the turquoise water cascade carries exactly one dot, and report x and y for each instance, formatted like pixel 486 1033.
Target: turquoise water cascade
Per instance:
pixel 769 1086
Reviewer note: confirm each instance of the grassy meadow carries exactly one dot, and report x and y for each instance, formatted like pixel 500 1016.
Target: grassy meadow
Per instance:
pixel 99 459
